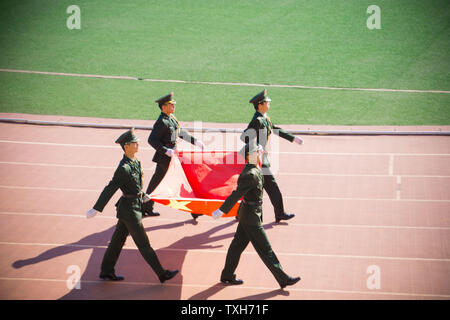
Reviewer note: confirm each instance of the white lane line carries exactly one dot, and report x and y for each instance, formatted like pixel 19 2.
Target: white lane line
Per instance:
pixel 363 199
pixel 63 165
pixel 58 215
pixel 59 144
pixel 38 164
pixel 391 164
pixel 68 144
pixel 356 175
pixel 359 153
pixel 284 197
pixel 20 163
pixel 241 288
pixel 398 189
pixel 280 152
pixel 49 188
pixel 84 75
pixel 207 251
pixel 324 225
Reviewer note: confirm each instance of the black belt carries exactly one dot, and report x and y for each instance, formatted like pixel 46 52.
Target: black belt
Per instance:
pixel 252 203
pixel 132 196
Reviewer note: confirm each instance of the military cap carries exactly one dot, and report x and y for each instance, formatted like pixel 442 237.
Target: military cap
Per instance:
pixel 127 137
pixel 166 99
pixel 260 98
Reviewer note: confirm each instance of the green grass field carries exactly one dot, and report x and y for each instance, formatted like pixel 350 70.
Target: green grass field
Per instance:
pixel 294 42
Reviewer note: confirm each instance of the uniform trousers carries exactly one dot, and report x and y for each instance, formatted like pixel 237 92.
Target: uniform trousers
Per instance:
pixel 273 191
pixel 160 172
pixel 255 234
pixel 137 232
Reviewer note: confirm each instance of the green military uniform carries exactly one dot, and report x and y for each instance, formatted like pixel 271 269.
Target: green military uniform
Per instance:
pixel 261 128
pixel 127 178
pixel 163 137
pixel 250 229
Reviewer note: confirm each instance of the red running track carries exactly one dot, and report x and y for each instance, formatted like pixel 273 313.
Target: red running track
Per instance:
pixel 362 204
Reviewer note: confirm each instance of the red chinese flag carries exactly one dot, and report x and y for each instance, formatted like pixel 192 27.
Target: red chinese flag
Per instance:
pixel 200 181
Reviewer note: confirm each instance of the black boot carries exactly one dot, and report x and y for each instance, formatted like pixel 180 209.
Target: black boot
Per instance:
pixel 147 210
pixel 167 275
pixel 232 280
pixel 111 277
pixel 284 216
pixel 291 281
pixel 195 216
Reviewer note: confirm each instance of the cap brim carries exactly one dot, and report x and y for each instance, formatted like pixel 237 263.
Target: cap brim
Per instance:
pixel 134 140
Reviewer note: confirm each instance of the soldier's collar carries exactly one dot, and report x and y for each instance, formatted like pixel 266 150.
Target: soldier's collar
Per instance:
pixel 126 158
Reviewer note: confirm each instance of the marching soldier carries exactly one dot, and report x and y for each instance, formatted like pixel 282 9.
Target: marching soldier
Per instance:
pixel 250 229
pixel 262 127
pixel 127 178
pixel 163 139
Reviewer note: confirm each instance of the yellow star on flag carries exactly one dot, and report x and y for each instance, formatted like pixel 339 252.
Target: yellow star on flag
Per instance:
pixel 179 205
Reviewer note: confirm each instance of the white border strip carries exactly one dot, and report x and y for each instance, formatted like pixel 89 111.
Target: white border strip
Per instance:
pixel 226 130
pixel 82 216
pixel 83 75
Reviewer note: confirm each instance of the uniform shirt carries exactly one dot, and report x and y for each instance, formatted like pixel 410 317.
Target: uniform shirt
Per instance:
pixel 164 136
pixel 262 127
pixel 128 178
pixel 250 186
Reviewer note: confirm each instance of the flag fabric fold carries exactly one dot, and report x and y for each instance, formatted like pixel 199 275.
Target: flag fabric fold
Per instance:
pixel 199 181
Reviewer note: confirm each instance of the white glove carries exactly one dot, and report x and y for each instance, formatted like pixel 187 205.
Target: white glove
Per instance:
pixel 217 214
pixel 298 140
pixel 200 144
pixel 145 198
pixel 260 148
pixel 91 213
pixel 170 152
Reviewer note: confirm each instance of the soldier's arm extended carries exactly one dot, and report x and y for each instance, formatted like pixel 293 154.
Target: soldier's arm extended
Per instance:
pixel 245 185
pixel 187 137
pixel 116 182
pixel 155 138
pixel 283 134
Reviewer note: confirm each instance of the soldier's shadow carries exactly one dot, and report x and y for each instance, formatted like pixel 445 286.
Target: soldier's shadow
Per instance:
pixel 141 282
pixel 216 288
